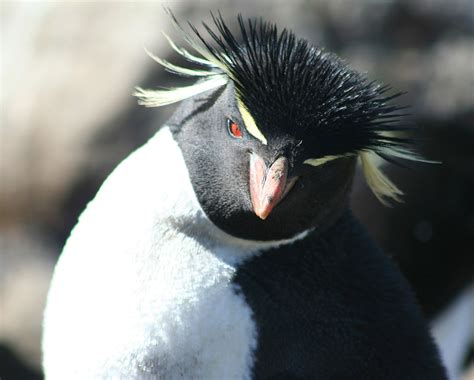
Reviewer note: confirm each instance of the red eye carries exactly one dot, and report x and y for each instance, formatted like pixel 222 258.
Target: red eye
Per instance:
pixel 234 129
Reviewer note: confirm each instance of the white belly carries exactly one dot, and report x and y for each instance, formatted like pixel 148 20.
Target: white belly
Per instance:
pixel 143 288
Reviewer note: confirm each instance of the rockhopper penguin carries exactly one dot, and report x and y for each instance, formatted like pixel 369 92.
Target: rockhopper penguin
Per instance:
pixel 225 248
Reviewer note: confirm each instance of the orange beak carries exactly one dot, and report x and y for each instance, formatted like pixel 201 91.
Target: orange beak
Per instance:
pixel 268 186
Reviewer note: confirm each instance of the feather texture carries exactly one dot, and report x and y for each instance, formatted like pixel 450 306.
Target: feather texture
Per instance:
pixel 379 183
pixel 165 96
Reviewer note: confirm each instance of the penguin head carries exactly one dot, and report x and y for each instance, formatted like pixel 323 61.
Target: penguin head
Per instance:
pixel 272 129
pixel 251 189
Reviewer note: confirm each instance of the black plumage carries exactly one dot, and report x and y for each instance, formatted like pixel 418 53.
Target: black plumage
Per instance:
pixel 333 306
pixel 288 85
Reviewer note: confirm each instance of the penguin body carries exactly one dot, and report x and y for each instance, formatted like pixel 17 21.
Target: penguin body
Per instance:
pixel 326 303
pixel 225 248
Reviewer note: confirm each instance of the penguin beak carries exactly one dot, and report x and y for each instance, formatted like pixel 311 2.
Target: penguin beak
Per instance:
pixel 268 185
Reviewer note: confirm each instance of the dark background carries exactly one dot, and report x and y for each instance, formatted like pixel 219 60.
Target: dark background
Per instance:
pixel 67 119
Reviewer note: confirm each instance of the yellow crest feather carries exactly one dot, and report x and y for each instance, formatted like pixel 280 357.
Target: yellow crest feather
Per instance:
pixel 250 124
pixel 379 183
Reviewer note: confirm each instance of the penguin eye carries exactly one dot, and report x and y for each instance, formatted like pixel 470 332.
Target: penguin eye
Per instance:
pixel 234 129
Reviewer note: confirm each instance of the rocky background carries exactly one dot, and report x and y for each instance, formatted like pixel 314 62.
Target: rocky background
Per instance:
pixel 67 118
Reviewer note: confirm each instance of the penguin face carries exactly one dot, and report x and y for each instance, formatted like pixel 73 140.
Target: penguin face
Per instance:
pixel 253 190
pixel 271 130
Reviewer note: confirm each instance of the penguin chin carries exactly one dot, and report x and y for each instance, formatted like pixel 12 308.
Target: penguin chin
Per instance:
pixel 303 208
pixel 285 222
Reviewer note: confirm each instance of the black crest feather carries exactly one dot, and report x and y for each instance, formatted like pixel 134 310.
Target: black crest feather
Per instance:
pixel 288 84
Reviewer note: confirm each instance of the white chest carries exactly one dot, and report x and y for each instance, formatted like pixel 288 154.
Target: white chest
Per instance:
pixel 140 291
pixel 144 288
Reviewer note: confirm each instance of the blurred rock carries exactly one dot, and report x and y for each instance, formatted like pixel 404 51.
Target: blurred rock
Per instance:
pixel 67 68
pixel 26 265
pixel 12 367
pixel 469 375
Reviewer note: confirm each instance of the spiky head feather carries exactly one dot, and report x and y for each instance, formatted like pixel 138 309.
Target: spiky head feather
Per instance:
pixel 284 83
